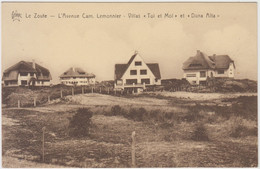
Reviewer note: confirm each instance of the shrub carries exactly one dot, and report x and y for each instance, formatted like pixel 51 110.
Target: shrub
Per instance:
pixel 200 133
pixel 242 131
pixel 80 123
pixel 116 110
pixel 137 114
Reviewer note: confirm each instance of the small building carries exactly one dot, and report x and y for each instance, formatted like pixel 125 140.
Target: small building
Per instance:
pixel 77 76
pixel 136 75
pixel 26 74
pixel 200 67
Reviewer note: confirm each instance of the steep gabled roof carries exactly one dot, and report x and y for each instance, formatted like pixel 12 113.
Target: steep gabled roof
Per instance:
pixel 120 69
pixel 154 67
pixel 76 72
pixel 221 61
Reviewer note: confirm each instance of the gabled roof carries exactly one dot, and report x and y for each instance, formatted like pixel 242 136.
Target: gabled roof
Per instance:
pixel 27 67
pixel 76 72
pixel 202 61
pixel 221 61
pixel 154 67
pixel 120 69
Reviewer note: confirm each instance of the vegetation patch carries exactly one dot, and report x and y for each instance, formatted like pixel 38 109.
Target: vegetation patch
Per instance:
pixel 80 123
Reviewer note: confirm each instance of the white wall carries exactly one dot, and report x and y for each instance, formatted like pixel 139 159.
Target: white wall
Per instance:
pixel 78 81
pixel 197 77
pixel 138 76
pixel 230 72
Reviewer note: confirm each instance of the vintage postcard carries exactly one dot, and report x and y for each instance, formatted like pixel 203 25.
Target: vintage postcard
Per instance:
pixel 121 85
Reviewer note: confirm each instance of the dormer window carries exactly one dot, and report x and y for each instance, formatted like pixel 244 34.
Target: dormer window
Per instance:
pixel 195 64
pixel 138 63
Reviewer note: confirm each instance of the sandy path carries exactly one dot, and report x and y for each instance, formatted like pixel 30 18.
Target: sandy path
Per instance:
pixel 202 96
pixel 99 99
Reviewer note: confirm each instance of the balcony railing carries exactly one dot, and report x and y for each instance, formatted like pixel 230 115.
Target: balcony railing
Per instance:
pixel 123 85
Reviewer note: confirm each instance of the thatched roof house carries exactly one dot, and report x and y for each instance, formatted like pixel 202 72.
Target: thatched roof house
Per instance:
pixel 26 73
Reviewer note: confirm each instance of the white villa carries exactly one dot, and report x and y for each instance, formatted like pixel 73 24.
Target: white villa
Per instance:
pixel 26 74
pixel 136 74
pixel 77 76
pixel 198 68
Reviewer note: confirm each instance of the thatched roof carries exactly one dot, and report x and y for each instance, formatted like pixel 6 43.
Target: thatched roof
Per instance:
pixel 221 61
pixel 202 61
pixel 26 67
pixel 76 72
pixel 121 68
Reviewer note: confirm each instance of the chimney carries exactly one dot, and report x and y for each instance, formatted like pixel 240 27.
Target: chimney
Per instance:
pixel 33 63
pixel 198 51
pixel 73 68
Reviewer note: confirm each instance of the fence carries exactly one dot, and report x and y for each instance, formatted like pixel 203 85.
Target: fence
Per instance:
pixel 56 93
pixel 61 92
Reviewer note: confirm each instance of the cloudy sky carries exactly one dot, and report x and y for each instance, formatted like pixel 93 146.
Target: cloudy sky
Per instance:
pixel 96 45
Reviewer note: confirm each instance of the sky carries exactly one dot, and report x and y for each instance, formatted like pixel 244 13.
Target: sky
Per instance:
pixel 96 45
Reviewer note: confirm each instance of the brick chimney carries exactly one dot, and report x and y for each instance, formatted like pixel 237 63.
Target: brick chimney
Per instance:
pixel 33 63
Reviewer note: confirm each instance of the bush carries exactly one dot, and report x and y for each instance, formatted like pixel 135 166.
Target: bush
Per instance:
pixel 242 131
pixel 80 123
pixel 137 114
pixel 200 133
pixel 116 110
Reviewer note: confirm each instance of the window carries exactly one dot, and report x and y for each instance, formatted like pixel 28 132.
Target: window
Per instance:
pixel 202 74
pixel 23 74
pixel 143 72
pixel 23 82
pixel 195 65
pixel 146 81
pixel 221 71
pixel 191 75
pixel 13 82
pixel 131 81
pixel 133 72
pixel 138 63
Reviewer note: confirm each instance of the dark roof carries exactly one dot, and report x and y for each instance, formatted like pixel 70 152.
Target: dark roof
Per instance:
pixel 21 66
pixel 221 61
pixel 154 67
pixel 121 68
pixel 202 61
pixel 131 59
pixel 76 72
pixel 27 67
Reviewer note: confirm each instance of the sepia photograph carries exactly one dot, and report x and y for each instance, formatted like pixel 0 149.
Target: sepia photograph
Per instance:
pixel 129 85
